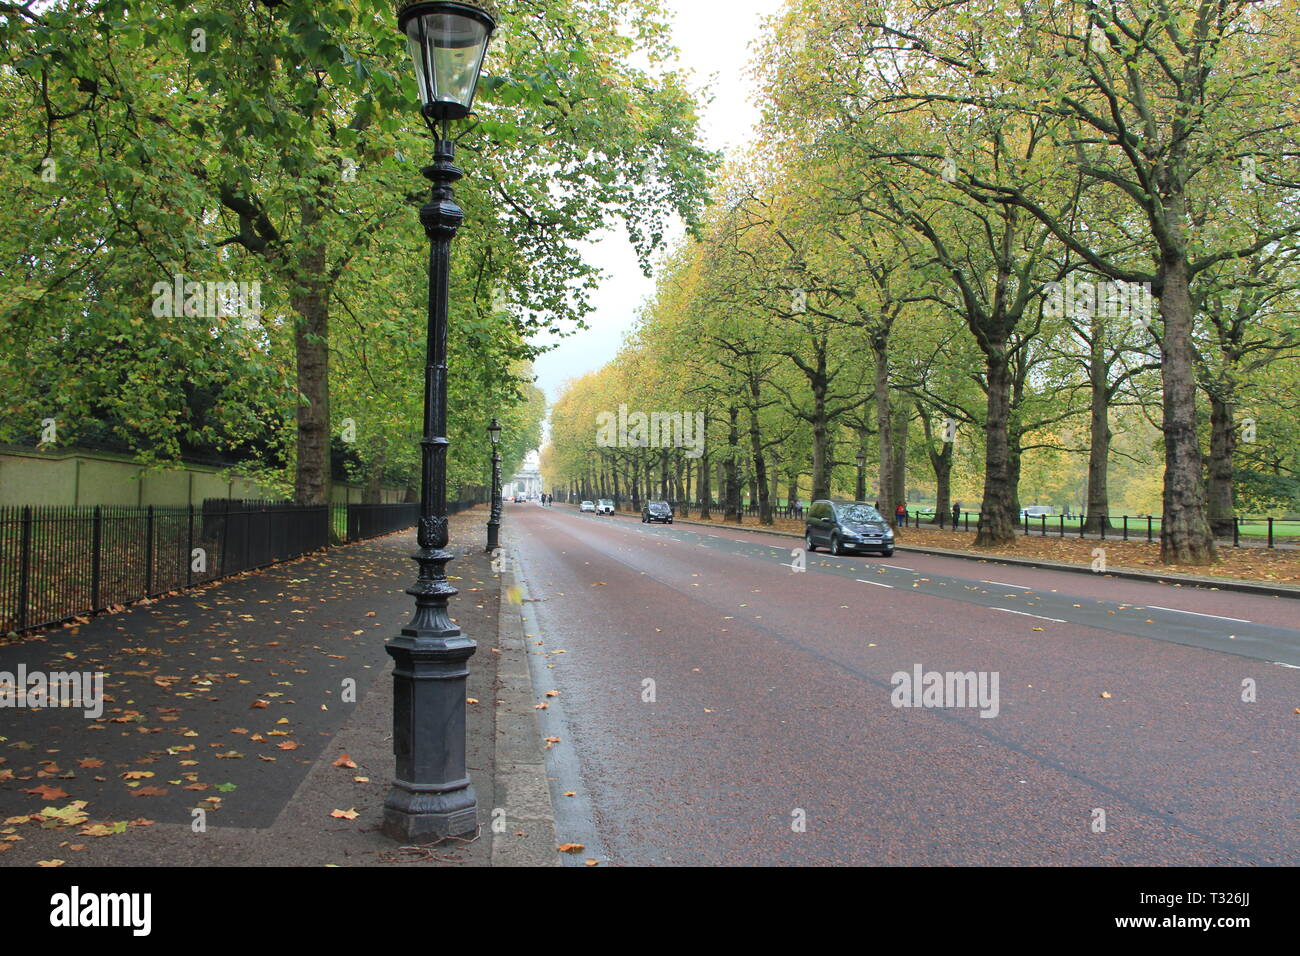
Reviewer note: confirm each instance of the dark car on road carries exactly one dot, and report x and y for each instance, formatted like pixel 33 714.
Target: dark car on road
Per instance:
pixel 657 511
pixel 844 526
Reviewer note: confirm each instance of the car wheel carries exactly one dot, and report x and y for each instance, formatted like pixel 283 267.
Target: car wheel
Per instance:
pixel 808 541
pixel 670 520
pixel 887 554
pixel 835 545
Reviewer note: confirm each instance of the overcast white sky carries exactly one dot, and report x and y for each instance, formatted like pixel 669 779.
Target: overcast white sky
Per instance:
pixel 713 37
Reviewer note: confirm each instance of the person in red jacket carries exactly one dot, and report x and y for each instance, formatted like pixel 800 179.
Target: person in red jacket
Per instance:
pixel 900 514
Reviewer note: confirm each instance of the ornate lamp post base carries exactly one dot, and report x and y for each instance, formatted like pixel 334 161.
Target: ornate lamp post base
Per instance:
pixel 429 741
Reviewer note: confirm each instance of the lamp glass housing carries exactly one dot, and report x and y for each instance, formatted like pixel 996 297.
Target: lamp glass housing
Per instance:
pixel 447 43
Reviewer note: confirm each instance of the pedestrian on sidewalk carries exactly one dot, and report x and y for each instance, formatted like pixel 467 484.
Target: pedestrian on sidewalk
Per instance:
pixel 900 514
pixel 956 515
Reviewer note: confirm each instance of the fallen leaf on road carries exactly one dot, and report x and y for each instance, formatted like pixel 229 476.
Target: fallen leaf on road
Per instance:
pixel 48 863
pixel 346 761
pixel 571 847
pixel 103 829
pixel 46 792
pixel 1105 695
pixel 344 814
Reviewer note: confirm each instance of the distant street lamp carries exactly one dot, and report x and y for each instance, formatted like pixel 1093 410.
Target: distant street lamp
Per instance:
pixel 862 478
pixel 431 795
pixel 494 521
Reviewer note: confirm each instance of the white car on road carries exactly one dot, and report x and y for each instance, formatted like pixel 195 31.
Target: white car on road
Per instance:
pixel 604 507
pixel 588 506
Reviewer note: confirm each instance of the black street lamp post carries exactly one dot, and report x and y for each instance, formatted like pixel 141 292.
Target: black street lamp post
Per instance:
pixel 431 795
pixel 494 522
pixel 862 477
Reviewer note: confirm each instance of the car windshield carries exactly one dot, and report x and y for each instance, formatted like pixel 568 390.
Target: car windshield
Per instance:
pixel 859 513
pixel 606 501
pixel 658 506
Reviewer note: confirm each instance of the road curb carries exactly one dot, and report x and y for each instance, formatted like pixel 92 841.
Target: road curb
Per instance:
pixel 1187 580
pixel 522 789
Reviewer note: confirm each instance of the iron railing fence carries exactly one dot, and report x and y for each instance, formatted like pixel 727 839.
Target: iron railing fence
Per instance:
pixel 370 521
pixel 57 563
pixel 1241 531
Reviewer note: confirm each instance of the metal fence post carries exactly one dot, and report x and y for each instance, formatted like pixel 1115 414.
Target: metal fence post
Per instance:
pixel 96 540
pixel 1125 527
pixel 148 553
pixel 189 546
pixel 1270 532
pixel 225 536
pixel 1148 529
pixel 1236 531
pixel 25 567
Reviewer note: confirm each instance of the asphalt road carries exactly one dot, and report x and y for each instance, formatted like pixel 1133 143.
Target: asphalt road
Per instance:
pixel 718 705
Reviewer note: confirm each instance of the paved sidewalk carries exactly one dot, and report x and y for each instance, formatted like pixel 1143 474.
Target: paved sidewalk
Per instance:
pixel 231 699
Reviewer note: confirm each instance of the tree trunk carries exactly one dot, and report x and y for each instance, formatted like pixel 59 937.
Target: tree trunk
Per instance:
pixel 774 483
pixel 1184 531
pixel 704 486
pixel 732 470
pixel 310 299
pixel 373 491
pixel 884 435
pixel 1098 510
pixel 941 462
pixel 760 467
pixel 1223 448
pixel 821 477
pixel 998 518
pixel 902 421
